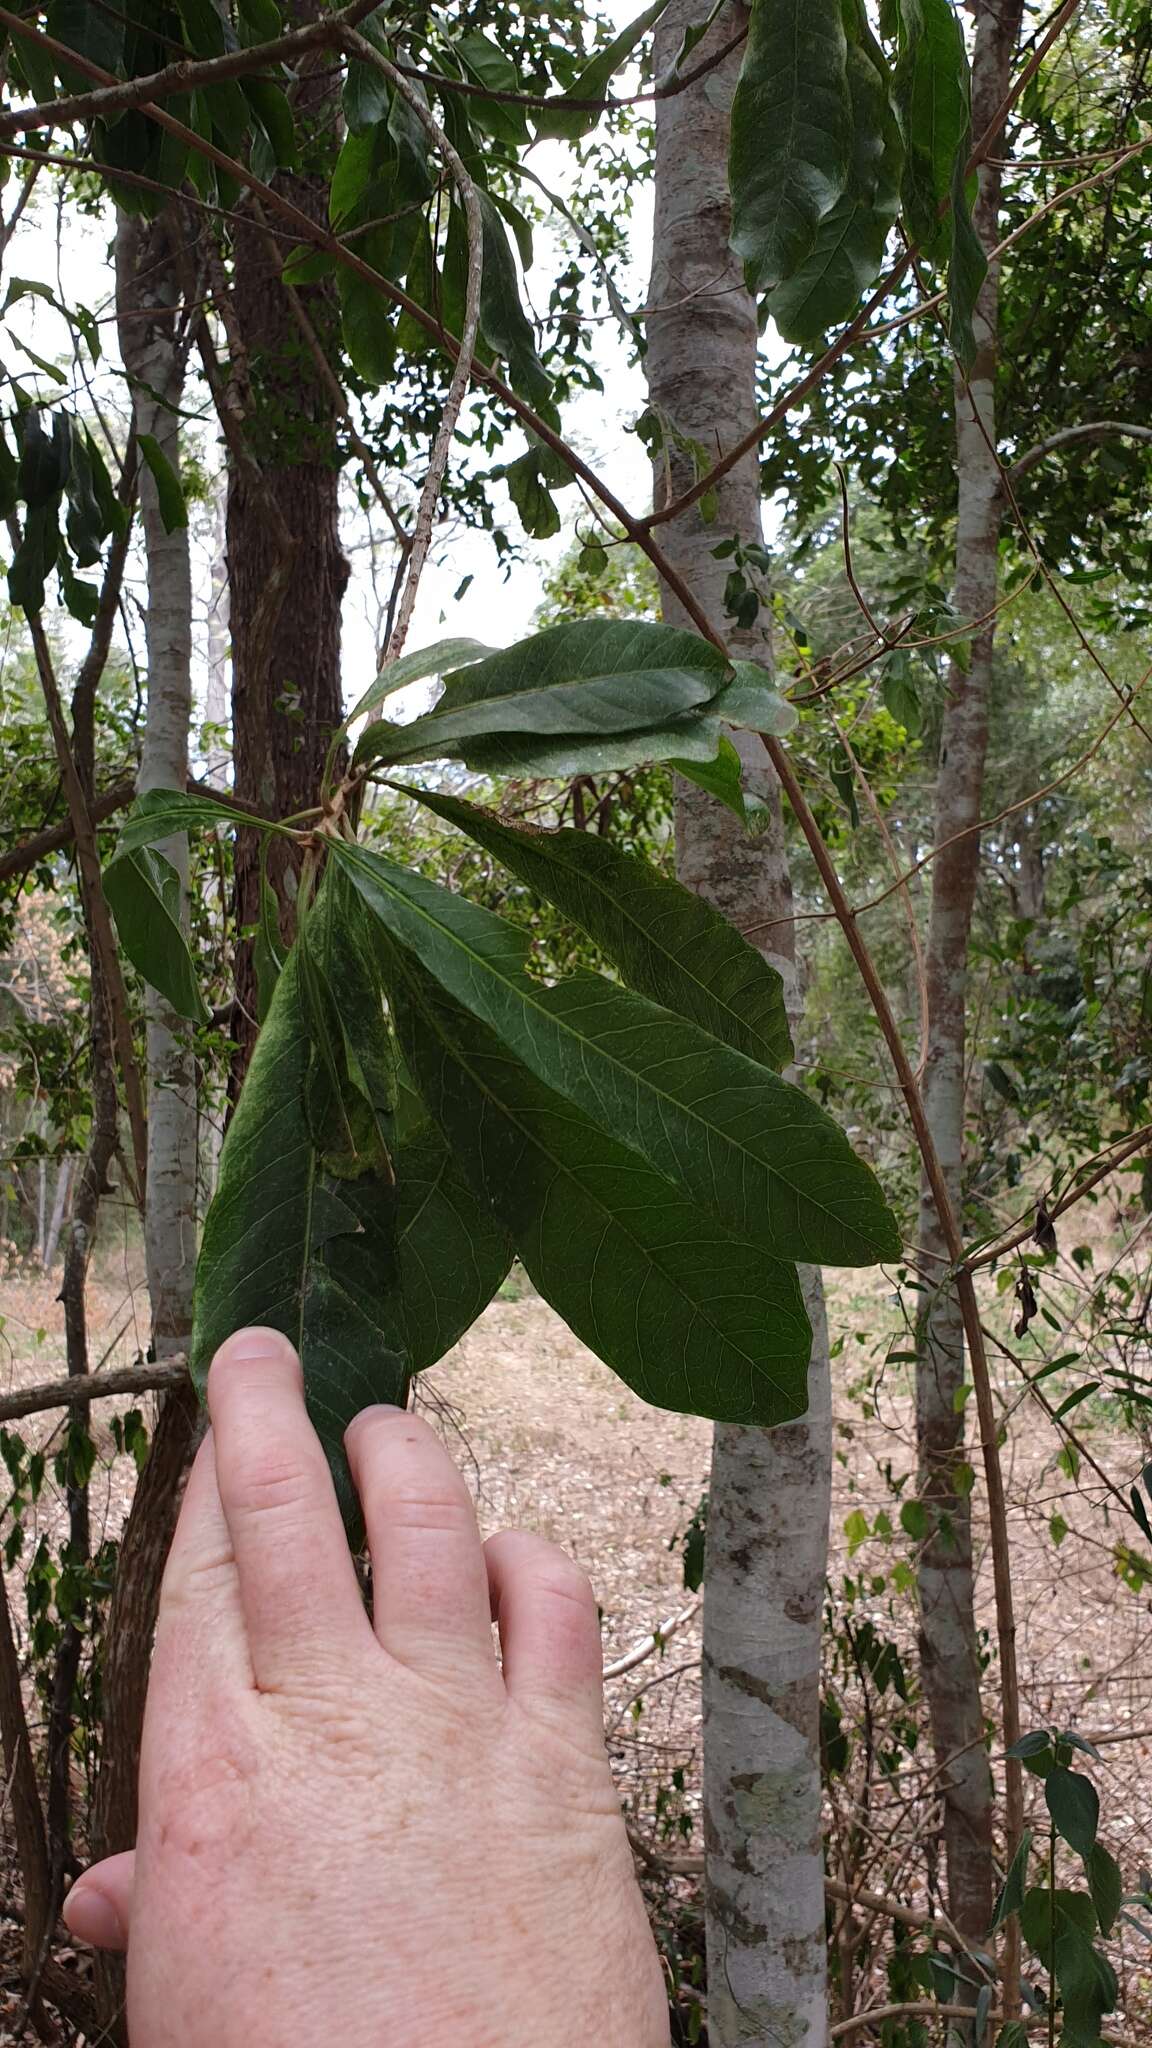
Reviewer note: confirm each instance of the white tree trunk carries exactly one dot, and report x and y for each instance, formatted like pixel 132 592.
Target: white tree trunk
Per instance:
pixel 767 1545
pixel 153 347
pixel 948 1641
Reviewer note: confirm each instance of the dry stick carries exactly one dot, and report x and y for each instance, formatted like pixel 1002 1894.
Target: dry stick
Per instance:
pixel 413 568
pixel 648 1644
pixel 965 1288
pixel 96 1386
pixel 88 862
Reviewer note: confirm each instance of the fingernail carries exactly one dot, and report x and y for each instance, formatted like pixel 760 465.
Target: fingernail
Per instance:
pixel 93 1917
pixel 257 1342
pixel 376 1408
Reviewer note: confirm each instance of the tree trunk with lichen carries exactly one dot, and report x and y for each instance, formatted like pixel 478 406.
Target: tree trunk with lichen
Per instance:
pixel 767 1539
pixel 948 1638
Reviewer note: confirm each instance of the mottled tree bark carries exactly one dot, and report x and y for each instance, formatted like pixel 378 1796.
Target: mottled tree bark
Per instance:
pixel 155 264
pixel 286 570
pixel 948 1643
pixel 767 1539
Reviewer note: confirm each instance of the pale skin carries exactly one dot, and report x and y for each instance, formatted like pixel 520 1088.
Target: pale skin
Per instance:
pixel 366 1830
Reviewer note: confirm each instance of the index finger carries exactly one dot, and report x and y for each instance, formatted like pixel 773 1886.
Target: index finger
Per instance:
pixel 298 1590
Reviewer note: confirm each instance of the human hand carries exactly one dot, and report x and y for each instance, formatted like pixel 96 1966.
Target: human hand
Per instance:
pixel 368 1831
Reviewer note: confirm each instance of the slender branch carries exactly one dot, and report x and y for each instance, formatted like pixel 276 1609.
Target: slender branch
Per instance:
pixel 1091 430
pixel 83 1389
pixel 648 1644
pixel 1022 1231
pixel 995 128
pixel 189 74
pixel 417 554
pixel 97 913
pixel 114 96
pixel 18 859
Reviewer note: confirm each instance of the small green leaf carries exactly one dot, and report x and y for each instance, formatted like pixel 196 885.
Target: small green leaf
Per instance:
pixel 169 493
pixel 569 124
pixel 1074 1805
pixel 1011 1897
pixel 915 1520
pixel 45 459
pixel 750 701
pixel 143 891
pixel 723 778
pixel 1106 1886
pixel 36 555
pixel 931 94
pixel 1071 1912
pixel 161 813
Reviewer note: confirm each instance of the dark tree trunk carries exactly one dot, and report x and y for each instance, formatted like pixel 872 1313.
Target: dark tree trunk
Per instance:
pixel 286 569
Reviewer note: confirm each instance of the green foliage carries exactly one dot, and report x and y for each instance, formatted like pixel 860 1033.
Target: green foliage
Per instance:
pixel 792 126
pixel 667 944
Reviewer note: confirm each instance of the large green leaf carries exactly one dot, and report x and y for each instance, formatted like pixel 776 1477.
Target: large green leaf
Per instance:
pixel 582 681
pixel 413 668
pixel 745 1146
pixel 371 1254
pixel 161 813
pixel 1074 1805
pixel 503 322
pixel 968 264
pixel 589 709
pixel 791 134
pixel 845 257
pixel 568 124
pixel 452 1251
pixel 690 1317
pixel 667 943
pixel 585 650
pixel 695 737
pixel 289 1245
pixel 143 890
pixel 931 93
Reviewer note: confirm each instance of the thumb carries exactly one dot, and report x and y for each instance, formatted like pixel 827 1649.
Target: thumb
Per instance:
pixel 98 1909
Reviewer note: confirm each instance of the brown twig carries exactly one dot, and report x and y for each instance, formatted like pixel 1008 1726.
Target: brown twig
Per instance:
pixel 93 1386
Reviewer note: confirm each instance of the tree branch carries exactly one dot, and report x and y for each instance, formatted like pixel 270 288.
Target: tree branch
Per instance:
pixel 79 1391
pixel 18 859
pixel 1091 430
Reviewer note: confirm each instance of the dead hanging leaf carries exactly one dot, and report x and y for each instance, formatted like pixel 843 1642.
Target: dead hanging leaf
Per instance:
pixel 1045 1232
pixel 1029 1306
